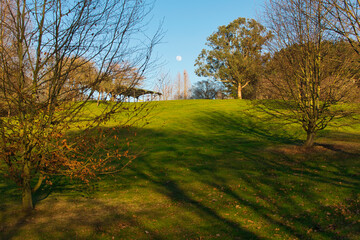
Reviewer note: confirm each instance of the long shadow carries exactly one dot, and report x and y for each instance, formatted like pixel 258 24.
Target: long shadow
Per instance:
pixel 336 149
pixel 7 232
pixel 235 150
pixel 307 172
pixel 246 124
pixel 171 189
pixel 249 139
pixel 98 219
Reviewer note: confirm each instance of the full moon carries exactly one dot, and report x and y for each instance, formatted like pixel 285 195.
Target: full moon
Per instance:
pixel 178 58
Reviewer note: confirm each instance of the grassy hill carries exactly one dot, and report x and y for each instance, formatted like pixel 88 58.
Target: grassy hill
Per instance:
pixel 206 169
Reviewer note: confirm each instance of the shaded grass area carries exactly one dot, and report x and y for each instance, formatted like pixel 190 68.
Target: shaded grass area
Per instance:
pixel 206 171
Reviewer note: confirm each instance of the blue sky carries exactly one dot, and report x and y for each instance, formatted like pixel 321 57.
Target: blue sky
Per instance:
pixel 188 23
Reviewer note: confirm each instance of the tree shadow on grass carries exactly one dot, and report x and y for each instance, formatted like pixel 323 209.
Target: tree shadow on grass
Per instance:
pixel 290 187
pixel 250 126
pixel 78 219
pixel 277 171
pixel 297 218
pixel 171 189
pixel 209 174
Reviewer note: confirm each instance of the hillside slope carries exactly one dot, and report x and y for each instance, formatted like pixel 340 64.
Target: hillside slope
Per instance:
pixel 206 169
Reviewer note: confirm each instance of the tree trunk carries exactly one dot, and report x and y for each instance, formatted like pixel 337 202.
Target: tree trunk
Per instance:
pixel 98 100
pixel 239 91
pixel 27 201
pixel 38 184
pixel 309 140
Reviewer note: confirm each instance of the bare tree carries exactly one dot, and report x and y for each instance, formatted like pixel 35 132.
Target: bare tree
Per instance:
pixel 165 86
pixel 42 46
pixel 179 87
pixel 343 18
pixel 186 84
pixel 304 71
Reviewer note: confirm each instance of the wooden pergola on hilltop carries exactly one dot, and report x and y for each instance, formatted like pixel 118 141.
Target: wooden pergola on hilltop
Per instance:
pixel 136 93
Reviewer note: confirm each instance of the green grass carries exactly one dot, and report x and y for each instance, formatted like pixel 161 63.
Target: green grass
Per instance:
pixel 206 170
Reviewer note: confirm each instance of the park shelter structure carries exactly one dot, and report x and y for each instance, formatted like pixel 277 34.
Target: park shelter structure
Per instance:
pixel 137 93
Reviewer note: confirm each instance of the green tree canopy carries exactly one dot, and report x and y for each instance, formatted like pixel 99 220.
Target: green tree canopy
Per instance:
pixel 235 54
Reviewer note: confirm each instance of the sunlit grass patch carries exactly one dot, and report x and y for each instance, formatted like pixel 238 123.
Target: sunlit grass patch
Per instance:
pixel 205 169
